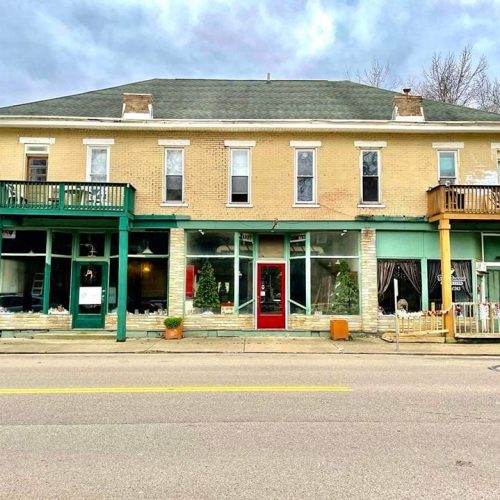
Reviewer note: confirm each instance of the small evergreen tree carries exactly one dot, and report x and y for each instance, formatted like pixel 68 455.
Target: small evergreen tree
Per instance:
pixel 207 296
pixel 345 295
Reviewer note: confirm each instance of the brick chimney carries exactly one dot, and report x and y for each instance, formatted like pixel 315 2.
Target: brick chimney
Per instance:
pixel 408 108
pixel 137 106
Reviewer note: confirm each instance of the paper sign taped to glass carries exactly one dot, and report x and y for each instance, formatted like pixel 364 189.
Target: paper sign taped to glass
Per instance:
pixel 90 295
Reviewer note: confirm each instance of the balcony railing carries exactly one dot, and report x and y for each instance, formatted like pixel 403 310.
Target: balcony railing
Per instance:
pixel 464 200
pixel 66 197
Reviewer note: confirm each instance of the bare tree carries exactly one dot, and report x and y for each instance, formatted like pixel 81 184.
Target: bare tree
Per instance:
pixel 453 78
pixel 488 94
pixel 376 75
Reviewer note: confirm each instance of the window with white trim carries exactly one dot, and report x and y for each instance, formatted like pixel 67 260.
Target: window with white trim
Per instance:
pixel 174 175
pixel 370 176
pixel 305 171
pixel 447 167
pixel 239 188
pixel 98 163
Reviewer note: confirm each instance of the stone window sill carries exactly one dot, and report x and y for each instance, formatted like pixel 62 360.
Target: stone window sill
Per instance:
pixel 371 205
pixel 172 204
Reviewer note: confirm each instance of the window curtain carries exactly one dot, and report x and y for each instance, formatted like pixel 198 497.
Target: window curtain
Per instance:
pixel 461 268
pixel 385 272
pixel 411 269
pixel 434 270
pixel 464 268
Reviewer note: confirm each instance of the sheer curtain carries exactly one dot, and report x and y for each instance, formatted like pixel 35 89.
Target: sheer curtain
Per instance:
pixel 411 269
pixel 385 272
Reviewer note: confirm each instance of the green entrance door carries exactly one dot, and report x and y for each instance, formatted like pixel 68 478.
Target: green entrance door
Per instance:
pixel 493 297
pixel 90 294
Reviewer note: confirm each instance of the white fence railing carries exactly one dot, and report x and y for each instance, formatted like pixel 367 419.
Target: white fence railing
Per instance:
pixel 477 318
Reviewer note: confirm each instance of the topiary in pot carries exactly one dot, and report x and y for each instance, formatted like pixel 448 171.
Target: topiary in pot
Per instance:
pixel 173 328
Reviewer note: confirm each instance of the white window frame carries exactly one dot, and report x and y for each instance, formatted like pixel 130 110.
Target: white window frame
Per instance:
pixel 90 148
pixel 172 202
pixel 248 150
pixel 313 202
pixel 379 175
pixel 455 155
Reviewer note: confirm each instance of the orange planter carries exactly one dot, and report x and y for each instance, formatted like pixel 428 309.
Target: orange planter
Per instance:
pixel 339 329
pixel 173 333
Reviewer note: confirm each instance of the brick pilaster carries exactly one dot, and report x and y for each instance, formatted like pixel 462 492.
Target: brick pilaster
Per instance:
pixel 177 272
pixel 369 297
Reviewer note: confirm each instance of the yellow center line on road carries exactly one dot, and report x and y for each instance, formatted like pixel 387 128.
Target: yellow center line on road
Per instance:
pixel 193 388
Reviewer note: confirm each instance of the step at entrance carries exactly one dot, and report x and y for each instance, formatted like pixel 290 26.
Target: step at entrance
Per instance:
pixel 77 335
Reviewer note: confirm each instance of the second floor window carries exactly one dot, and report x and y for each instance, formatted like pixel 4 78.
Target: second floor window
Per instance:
pixel 174 175
pixel 240 175
pixel 98 164
pixel 370 173
pixel 305 171
pixel 447 166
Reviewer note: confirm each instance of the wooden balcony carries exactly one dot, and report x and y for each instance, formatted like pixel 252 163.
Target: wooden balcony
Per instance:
pixel 66 198
pixel 465 202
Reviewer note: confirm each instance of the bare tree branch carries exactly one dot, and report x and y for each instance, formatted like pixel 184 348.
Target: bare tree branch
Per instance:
pixel 453 78
pixel 376 75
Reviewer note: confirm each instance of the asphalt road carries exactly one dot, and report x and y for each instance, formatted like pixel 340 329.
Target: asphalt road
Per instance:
pixel 410 427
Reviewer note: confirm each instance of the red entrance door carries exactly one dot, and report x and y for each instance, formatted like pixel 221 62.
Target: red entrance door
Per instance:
pixel 271 296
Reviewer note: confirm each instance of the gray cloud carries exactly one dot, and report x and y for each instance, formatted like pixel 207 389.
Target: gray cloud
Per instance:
pixel 56 47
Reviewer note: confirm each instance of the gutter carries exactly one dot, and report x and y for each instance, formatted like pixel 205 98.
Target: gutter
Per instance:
pixel 387 126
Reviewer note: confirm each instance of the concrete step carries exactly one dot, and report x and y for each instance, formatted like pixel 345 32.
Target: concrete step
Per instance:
pixel 414 339
pixel 77 335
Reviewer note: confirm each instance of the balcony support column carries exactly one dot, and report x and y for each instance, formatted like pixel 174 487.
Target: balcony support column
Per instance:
pixel 445 251
pixel 121 328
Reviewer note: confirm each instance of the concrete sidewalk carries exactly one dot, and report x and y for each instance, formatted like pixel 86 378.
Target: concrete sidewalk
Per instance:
pixel 240 345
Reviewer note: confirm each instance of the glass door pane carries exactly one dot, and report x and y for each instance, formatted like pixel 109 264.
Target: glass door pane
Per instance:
pixel 90 289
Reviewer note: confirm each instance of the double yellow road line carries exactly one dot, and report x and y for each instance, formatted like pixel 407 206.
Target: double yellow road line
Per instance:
pixel 193 388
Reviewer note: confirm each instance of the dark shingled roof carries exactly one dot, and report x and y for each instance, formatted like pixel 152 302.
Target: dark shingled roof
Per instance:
pixel 246 100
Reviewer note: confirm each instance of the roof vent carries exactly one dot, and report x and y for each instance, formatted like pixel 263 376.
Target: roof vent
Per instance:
pixel 137 106
pixel 408 108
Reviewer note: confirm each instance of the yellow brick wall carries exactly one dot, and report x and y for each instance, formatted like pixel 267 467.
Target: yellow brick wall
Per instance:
pixel 409 167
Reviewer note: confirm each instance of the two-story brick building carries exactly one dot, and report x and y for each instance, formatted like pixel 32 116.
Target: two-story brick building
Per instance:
pixel 305 197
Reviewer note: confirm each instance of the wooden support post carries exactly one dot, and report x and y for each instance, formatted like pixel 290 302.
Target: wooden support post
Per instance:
pixel 445 249
pixel 121 328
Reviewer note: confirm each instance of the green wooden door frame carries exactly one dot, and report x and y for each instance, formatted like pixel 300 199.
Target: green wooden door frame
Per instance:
pixel 83 320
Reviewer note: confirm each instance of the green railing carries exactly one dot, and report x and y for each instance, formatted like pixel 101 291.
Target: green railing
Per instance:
pixel 67 196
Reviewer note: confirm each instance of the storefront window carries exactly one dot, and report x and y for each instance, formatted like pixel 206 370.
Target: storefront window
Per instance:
pixel 210 272
pixel 214 243
pixel 62 243
pixel 298 286
pixel 461 282
pixel 60 284
pixel 91 245
pixel 334 286
pixel 334 272
pixel 298 245
pixel 23 271
pixel 147 285
pixel 334 243
pixel 246 285
pixel 148 243
pixel 408 274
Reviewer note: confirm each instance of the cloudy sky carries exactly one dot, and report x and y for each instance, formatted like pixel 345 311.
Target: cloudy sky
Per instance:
pixel 50 48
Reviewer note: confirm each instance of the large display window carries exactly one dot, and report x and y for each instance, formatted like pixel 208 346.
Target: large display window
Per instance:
pixel 219 272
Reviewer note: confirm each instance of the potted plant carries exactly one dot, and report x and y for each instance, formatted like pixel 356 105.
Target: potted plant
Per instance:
pixel 173 328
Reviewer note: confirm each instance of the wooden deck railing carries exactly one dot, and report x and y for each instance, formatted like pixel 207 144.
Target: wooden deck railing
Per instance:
pixel 476 318
pixel 66 196
pixel 463 199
